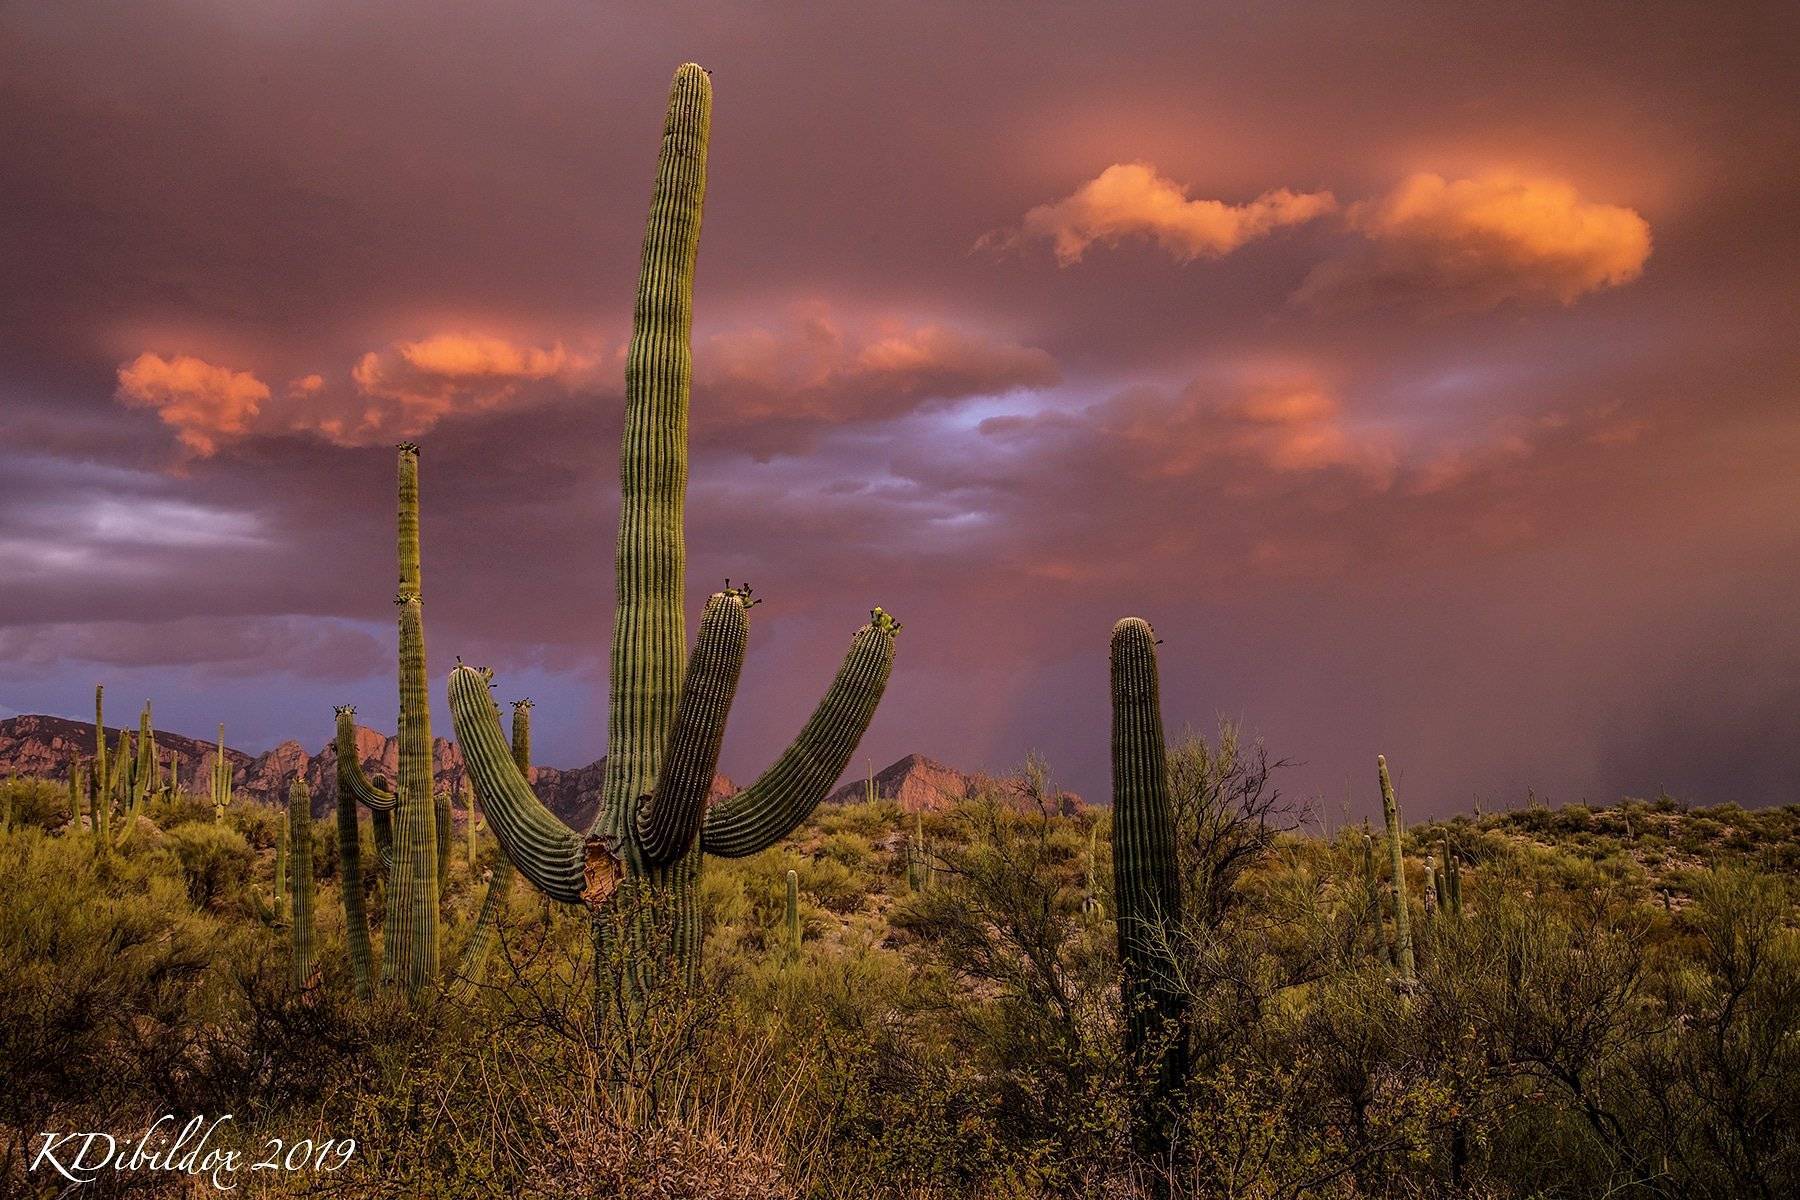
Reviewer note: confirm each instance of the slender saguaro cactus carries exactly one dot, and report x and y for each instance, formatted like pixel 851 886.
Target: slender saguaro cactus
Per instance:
pixel 100 774
pixel 299 820
pixel 1390 810
pixel 1430 892
pixel 793 912
pixel 350 880
pixel 638 867
pixel 446 833
pixel 915 854
pixel 1146 884
pixel 412 922
pixel 1452 879
pixel 281 857
pixel 221 781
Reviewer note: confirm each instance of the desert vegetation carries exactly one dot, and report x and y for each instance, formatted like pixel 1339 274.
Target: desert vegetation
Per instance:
pixel 1615 1010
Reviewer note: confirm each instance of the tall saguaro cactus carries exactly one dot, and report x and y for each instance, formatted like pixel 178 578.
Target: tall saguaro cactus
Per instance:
pixel 1390 810
pixel 299 822
pixel 1146 882
pixel 638 866
pixel 412 922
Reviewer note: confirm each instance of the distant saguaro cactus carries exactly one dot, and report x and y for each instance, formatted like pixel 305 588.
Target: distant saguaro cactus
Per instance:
pixel 793 912
pixel 637 868
pixel 350 880
pixel 1146 884
pixel 1390 810
pixel 299 819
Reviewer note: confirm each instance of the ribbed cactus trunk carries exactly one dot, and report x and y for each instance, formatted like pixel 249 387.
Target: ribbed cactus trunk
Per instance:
pixel 1429 894
pixel 1146 888
pixel 412 939
pixel 299 816
pixel 1390 811
pixel 446 834
pixel 637 870
pixel 654 911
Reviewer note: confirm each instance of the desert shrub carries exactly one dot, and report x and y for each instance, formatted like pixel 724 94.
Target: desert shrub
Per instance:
pixel 98 962
pixel 40 803
pixel 215 861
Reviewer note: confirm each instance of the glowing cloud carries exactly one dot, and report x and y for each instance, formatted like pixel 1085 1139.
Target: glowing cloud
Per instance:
pixel 423 381
pixel 205 404
pixel 1132 200
pixel 1477 243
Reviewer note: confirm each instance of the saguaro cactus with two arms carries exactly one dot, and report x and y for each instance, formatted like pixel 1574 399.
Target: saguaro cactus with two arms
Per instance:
pixel 638 866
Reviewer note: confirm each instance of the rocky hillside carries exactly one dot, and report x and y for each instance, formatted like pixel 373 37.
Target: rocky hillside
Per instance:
pixel 47 747
pixel 922 784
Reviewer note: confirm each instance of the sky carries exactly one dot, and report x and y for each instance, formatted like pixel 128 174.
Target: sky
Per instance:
pixel 1425 374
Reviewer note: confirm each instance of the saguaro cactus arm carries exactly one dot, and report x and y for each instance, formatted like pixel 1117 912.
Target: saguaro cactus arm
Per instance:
pixel 548 853
pixel 785 795
pixel 669 818
pixel 368 793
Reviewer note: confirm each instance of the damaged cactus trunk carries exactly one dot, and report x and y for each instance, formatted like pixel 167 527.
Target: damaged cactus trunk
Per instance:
pixel 637 869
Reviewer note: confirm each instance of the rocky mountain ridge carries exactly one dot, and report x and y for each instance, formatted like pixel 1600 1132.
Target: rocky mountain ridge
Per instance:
pixel 47 747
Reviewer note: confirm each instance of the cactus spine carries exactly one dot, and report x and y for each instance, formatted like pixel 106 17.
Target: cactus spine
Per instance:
pixel 1390 810
pixel 793 912
pixel 637 869
pixel 1146 884
pixel 299 820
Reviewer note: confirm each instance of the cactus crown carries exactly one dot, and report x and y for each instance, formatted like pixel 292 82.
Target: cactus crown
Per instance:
pixel 882 620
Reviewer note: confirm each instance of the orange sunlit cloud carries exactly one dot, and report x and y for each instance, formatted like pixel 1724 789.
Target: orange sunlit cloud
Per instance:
pixel 1477 243
pixel 206 405
pixel 1130 200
